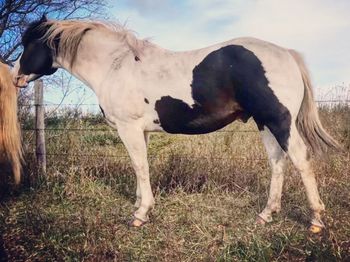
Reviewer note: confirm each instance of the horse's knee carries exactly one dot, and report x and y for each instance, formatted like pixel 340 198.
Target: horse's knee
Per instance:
pixel 141 170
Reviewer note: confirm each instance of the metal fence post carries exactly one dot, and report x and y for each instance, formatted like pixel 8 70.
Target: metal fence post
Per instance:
pixel 40 128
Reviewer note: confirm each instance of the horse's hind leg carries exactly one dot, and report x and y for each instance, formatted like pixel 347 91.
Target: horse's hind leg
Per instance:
pixel 297 152
pixel 277 159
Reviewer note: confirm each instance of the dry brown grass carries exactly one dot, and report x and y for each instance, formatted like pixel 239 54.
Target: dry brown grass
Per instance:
pixel 208 192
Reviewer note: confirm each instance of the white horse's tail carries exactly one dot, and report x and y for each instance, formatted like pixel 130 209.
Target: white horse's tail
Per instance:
pixel 308 122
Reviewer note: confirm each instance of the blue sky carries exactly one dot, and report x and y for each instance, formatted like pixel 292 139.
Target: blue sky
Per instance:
pixel 320 29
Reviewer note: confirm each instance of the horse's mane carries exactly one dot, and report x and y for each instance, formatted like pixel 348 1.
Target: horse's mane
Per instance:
pixel 65 36
pixel 10 137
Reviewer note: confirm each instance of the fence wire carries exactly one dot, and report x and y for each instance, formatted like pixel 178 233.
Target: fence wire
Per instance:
pixel 47 104
pixel 150 156
pixel 341 101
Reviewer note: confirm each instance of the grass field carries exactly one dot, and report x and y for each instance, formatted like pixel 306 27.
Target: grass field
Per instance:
pixel 208 191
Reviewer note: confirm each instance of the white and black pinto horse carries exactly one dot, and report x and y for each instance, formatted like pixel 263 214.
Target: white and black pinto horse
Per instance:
pixel 143 88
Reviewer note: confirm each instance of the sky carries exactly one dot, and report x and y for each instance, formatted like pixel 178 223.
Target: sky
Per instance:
pixel 319 29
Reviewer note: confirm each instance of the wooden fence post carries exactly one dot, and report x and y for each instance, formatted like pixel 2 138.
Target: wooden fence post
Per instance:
pixel 40 128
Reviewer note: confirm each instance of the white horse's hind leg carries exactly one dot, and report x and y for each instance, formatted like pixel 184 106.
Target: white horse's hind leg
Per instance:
pixel 277 159
pixel 134 141
pixel 297 152
pixel 138 191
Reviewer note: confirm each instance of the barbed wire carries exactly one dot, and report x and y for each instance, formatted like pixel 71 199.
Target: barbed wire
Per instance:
pixel 85 104
pixel 50 104
pixel 114 130
pixel 152 156
pixel 333 101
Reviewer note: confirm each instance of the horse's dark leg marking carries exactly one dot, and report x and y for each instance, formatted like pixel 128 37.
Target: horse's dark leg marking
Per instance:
pixel 278 124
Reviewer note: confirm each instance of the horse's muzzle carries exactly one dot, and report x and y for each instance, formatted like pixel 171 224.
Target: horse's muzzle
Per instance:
pixel 21 81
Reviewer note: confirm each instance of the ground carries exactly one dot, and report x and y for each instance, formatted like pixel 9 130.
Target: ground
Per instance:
pixel 209 190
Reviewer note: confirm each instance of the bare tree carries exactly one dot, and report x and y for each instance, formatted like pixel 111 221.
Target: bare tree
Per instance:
pixel 16 14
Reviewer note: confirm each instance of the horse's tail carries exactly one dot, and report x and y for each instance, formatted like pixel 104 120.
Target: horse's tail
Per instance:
pixel 308 122
pixel 10 136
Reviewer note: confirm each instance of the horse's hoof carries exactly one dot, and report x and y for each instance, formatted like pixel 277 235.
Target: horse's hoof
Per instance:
pixel 260 221
pixel 135 222
pixel 315 229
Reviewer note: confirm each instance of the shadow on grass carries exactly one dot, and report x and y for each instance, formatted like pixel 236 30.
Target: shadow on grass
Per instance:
pixel 3 254
pixel 296 214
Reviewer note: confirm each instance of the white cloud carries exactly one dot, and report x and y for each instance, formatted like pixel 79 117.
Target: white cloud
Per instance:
pixel 293 22
pixel 318 28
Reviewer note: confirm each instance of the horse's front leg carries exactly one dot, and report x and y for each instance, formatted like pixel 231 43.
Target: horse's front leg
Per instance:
pixel 134 140
pixel 138 192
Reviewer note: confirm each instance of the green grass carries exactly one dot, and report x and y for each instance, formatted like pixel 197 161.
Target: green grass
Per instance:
pixel 208 191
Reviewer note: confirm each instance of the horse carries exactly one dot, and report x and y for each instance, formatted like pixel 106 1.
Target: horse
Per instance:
pixel 10 135
pixel 143 88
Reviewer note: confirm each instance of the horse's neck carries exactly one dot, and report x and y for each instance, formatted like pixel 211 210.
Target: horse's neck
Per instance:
pixel 95 59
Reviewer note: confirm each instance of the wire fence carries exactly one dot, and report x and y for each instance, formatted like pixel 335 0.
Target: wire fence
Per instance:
pixel 48 104
pixel 151 156
pixel 108 129
pixel 42 129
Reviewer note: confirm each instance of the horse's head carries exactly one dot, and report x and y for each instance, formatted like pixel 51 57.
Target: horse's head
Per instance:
pixel 37 57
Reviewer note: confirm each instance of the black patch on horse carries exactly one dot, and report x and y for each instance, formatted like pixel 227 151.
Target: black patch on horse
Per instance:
pixel 36 47
pixel 226 77
pixel 146 101
pixel 177 117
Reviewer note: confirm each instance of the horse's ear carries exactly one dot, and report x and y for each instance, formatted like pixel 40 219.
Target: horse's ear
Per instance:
pixel 43 18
